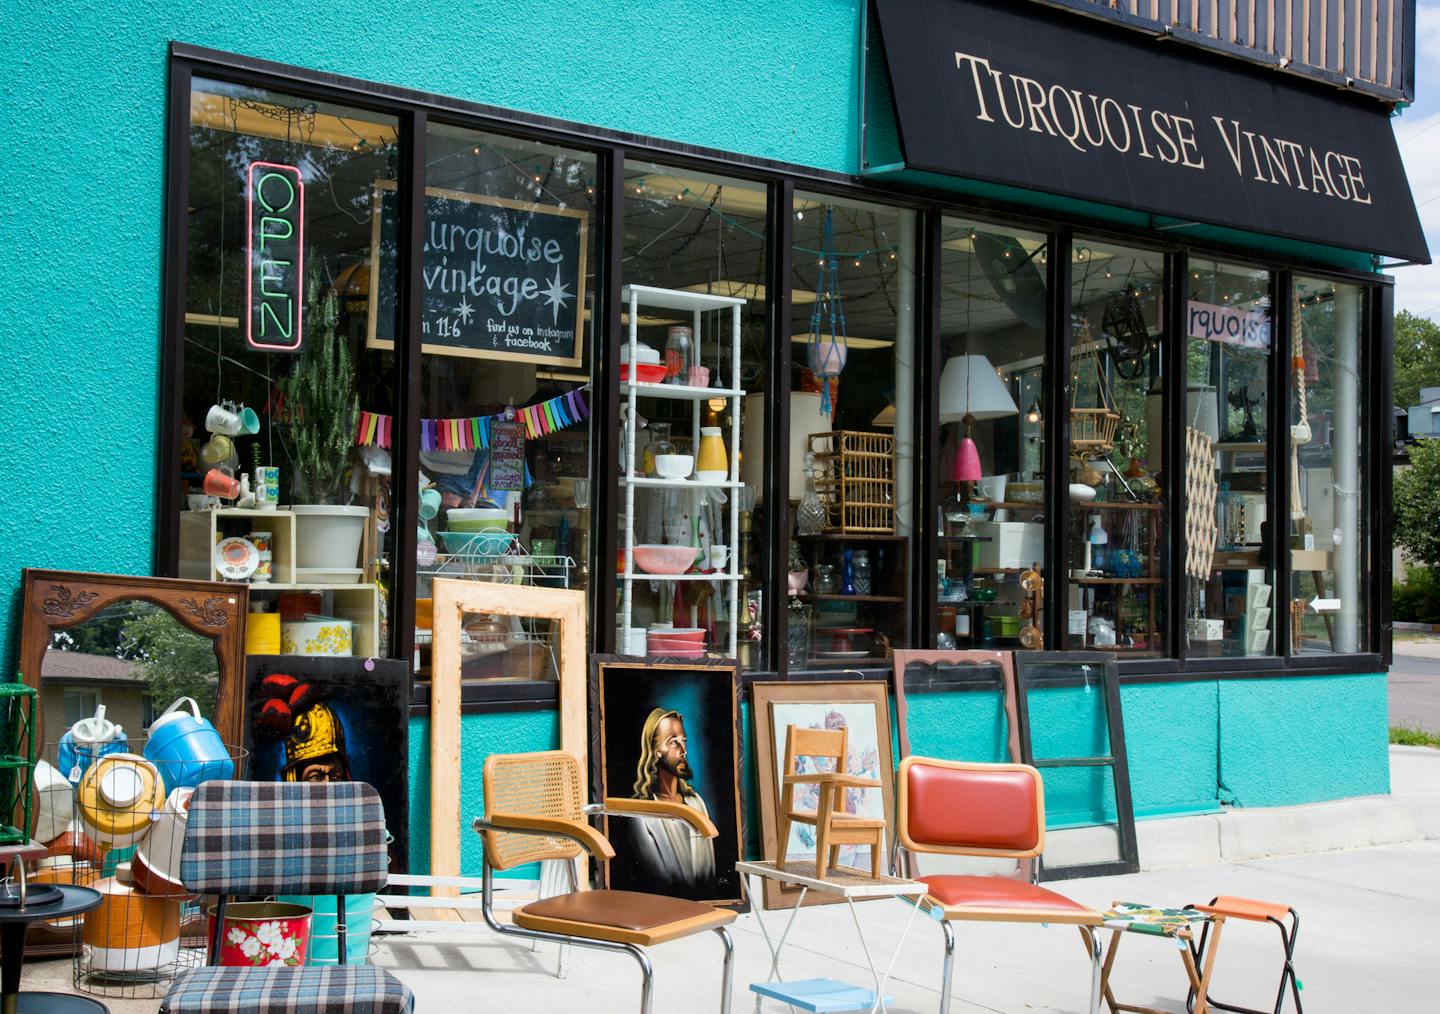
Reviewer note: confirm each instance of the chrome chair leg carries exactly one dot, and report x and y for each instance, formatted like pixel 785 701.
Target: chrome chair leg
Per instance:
pixel 949 971
pixel 1095 966
pixel 647 981
pixel 727 981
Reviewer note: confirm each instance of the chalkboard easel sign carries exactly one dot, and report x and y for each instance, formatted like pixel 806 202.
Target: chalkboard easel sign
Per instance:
pixel 502 279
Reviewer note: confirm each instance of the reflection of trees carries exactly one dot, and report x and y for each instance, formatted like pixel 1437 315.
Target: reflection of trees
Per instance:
pixel 176 662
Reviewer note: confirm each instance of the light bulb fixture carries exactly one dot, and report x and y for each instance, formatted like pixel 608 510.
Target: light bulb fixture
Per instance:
pixel 1033 415
pixel 716 404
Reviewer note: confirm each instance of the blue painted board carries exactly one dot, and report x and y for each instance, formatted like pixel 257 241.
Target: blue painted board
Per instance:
pixel 819 995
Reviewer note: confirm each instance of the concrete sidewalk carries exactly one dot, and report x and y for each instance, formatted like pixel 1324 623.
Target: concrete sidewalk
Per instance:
pixel 1367 943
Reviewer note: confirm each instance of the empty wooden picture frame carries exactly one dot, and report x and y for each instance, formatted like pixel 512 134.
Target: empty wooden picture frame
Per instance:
pixel 452 599
pixel 860 706
pixel 933 665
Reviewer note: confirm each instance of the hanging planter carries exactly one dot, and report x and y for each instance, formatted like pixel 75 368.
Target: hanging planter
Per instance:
pixel 828 350
pixel 1092 428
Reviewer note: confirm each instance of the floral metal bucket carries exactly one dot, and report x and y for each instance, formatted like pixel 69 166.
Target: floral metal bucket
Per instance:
pixel 260 933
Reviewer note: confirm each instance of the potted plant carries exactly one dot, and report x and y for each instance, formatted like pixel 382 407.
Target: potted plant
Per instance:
pixel 319 408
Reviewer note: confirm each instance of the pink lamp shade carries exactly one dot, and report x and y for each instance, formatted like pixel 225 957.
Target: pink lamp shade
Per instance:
pixel 967 461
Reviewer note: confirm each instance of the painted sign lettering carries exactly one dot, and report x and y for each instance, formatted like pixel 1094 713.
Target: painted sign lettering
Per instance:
pixel 1249 329
pixel 275 257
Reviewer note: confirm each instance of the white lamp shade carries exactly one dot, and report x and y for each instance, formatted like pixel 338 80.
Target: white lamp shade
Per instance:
pixel 969 385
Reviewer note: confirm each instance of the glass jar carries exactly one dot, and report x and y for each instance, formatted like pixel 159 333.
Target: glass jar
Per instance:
pixel 679 354
pixel 863 582
pixel 827 580
pixel 659 444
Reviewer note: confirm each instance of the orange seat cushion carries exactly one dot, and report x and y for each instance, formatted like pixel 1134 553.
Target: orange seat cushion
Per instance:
pixel 1001 899
pixel 972 809
pixel 1245 908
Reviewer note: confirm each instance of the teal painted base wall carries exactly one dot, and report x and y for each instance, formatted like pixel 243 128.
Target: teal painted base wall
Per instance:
pixel 1191 746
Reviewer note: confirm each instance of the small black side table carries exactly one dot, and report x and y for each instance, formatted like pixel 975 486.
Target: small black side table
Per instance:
pixel 13 923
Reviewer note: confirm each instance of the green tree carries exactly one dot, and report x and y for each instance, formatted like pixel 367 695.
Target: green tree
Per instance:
pixel 1417 357
pixel 1417 504
pixel 177 662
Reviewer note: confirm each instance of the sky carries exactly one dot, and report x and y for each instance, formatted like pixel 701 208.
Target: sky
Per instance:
pixel 1417 129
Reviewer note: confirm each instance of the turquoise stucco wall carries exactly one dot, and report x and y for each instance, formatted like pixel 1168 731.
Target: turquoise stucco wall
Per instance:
pixel 1260 742
pixel 83 103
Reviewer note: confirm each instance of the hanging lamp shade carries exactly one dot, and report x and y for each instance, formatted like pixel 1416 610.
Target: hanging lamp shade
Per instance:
pixel 970 386
pixel 967 461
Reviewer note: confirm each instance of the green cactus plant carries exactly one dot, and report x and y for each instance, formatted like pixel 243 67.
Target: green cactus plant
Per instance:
pixel 320 407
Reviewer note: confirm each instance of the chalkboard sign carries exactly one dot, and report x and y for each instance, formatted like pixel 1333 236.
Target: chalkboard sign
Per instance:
pixel 502 279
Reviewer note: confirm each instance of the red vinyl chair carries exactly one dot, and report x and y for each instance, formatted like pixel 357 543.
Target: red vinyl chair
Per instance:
pixel 995 810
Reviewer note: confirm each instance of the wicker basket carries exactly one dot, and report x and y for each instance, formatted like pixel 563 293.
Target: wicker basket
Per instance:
pixel 856 480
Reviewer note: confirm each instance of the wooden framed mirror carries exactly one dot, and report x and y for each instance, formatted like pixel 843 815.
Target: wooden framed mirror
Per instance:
pixel 134 644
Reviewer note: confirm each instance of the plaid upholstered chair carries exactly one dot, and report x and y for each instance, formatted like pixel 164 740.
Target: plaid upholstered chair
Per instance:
pixel 534 811
pixel 251 839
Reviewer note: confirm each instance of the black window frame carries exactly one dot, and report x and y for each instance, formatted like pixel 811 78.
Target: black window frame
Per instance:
pixel 611 149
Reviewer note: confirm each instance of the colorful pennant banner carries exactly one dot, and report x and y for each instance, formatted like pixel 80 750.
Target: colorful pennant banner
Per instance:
pixel 474 433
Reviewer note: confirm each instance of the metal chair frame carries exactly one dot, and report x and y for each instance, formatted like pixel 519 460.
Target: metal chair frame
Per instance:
pixel 1287 974
pixel 904 865
pixel 636 951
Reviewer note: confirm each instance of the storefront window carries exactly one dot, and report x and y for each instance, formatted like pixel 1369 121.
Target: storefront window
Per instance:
pixel 1116 537
pixel 992 457
pixel 691 568
pixel 852 449
pixel 283 219
pixel 1229 590
pixel 507 343
pixel 1329 544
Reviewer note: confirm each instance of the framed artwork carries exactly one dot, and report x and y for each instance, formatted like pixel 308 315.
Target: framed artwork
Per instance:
pixel 452 599
pixel 862 707
pixel 669 731
pixel 920 671
pixel 334 719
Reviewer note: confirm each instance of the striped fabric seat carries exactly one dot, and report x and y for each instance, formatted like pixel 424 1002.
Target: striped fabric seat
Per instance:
pixel 257 838
pixel 354 989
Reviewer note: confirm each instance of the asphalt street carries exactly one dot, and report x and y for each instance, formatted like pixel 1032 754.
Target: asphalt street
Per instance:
pixel 1415 685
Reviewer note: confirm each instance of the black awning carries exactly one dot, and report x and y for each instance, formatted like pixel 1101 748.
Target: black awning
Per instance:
pixel 1020 94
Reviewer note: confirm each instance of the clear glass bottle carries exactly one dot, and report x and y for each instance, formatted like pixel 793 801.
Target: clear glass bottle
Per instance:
pixel 827 582
pixel 863 581
pixel 810 516
pixel 679 354
pixel 659 444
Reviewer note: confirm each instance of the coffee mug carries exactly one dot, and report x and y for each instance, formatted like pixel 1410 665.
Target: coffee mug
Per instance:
pixel 249 420
pixel 226 420
pixel 716 557
pixel 221 483
pixel 216 450
pixel 265 483
pixel 992 487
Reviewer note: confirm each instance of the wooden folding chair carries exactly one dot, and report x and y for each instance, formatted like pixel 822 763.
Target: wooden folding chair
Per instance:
pixel 833 826
pixel 534 811
pixel 995 810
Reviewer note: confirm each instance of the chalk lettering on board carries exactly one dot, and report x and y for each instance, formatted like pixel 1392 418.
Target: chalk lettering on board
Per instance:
pixel 502 279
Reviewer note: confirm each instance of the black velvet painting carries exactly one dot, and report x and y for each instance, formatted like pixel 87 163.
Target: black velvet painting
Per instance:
pixel 333 719
pixel 668 731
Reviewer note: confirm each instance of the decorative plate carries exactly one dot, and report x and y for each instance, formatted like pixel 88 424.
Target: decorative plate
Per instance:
pixel 236 558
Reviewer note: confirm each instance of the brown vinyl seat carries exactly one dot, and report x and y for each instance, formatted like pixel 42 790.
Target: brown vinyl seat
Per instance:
pixel 534 811
pixel 986 810
pixel 629 917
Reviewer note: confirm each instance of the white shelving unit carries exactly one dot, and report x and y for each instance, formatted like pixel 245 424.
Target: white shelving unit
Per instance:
pixel 695 303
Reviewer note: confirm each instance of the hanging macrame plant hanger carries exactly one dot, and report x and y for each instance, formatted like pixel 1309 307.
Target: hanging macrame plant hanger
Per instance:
pixel 828 349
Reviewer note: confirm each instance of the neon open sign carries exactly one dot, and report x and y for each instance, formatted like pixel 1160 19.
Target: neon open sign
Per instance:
pixel 275 262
